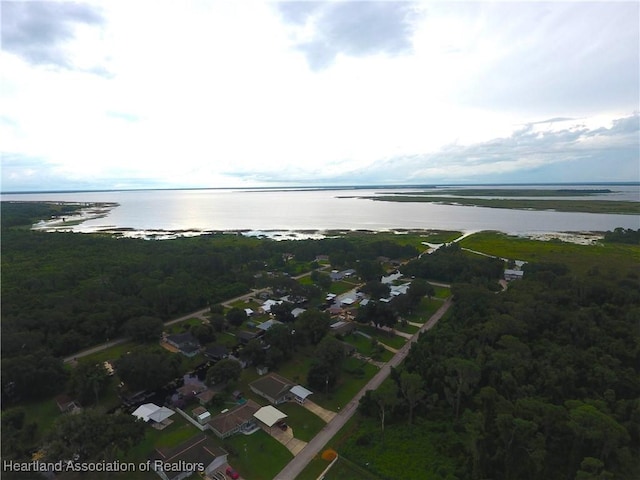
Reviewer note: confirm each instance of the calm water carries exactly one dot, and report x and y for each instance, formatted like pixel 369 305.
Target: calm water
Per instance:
pixel 295 210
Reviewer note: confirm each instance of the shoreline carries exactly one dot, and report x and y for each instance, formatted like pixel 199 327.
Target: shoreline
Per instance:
pixel 98 210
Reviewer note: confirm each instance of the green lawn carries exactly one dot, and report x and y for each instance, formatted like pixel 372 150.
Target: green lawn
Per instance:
pixel 442 292
pixel 348 385
pixel 407 328
pixel 342 286
pixel 305 424
pixel 257 456
pixel 112 353
pixel 183 326
pixel 179 431
pixel 364 347
pixel 392 340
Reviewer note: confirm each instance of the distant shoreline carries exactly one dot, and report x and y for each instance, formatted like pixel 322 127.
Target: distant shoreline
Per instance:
pixel 323 187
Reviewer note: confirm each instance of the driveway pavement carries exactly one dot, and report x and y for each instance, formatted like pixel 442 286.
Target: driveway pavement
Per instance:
pixel 323 413
pixel 286 438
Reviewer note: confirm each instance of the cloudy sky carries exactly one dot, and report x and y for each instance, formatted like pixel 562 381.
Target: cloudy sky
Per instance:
pixel 219 93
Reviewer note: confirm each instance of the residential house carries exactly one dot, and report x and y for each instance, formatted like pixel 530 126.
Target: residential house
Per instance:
pixel 266 306
pixel 185 342
pixel 205 397
pixel 264 326
pixel 245 336
pixel 216 352
pixel 510 274
pixel 273 387
pixel 342 328
pixel 391 278
pixel 150 412
pixel 231 421
pixel 296 312
pixel 67 404
pixel 180 462
pixel 337 276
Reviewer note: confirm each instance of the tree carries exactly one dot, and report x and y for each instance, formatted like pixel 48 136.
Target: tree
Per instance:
pixel 218 322
pixel 92 435
pixel 254 352
pixel 420 288
pixel 144 329
pixel 376 289
pixel 411 389
pixel 282 312
pixel 203 332
pixel 386 398
pixel 311 326
pixel 326 364
pixel 225 371
pixel 147 370
pixel 88 381
pixel 236 316
pixel 462 375
pixel 32 376
pixel 281 337
pixel 17 435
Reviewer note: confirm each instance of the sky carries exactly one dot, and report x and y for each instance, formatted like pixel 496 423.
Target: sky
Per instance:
pixel 220 93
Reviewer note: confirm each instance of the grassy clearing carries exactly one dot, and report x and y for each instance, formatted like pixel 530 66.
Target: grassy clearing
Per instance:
pixel 364 346
pixel 407 328
pixel 392 340
pixel 257 456
pixel 318 464
pixel 348 385
pixel 442 292
pixel 341 287
pixel 407 452
pixel 344 468
pixel 109 354
pixel 580 258
pixel 305 424
pixel 441 236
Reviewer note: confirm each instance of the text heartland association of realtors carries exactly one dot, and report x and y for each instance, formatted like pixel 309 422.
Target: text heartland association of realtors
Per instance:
pixel 103 466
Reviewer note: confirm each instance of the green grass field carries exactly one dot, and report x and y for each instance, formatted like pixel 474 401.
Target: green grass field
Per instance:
pixel 580 258
pixel 392 340
pixel 305 424
pixel 257 456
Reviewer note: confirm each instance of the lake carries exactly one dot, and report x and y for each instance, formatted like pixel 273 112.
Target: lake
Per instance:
pixel 288 210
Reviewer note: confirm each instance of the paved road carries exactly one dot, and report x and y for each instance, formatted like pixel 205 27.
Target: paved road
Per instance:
pixel 120 341
pixel 300 461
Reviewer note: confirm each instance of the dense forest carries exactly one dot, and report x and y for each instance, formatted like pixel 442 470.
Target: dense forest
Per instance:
pixel 62 292
pixel 537 382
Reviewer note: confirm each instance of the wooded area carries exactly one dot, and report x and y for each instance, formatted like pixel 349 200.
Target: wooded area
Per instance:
pixel 539 381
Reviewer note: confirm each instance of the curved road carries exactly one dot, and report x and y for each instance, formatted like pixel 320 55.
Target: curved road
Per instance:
pixel 300 461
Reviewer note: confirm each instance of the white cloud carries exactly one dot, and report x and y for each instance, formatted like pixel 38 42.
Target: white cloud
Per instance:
pixel 228 93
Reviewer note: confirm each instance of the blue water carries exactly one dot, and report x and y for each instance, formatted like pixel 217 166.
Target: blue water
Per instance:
pixel 197 211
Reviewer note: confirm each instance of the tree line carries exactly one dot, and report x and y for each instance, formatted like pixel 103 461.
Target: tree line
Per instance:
pixel 540 381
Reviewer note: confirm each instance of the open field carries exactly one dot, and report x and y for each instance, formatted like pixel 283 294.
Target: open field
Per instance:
pixel 586 206
pixel 580 258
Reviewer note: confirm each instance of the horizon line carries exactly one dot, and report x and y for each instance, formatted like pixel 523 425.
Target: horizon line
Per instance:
pixel 321 187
